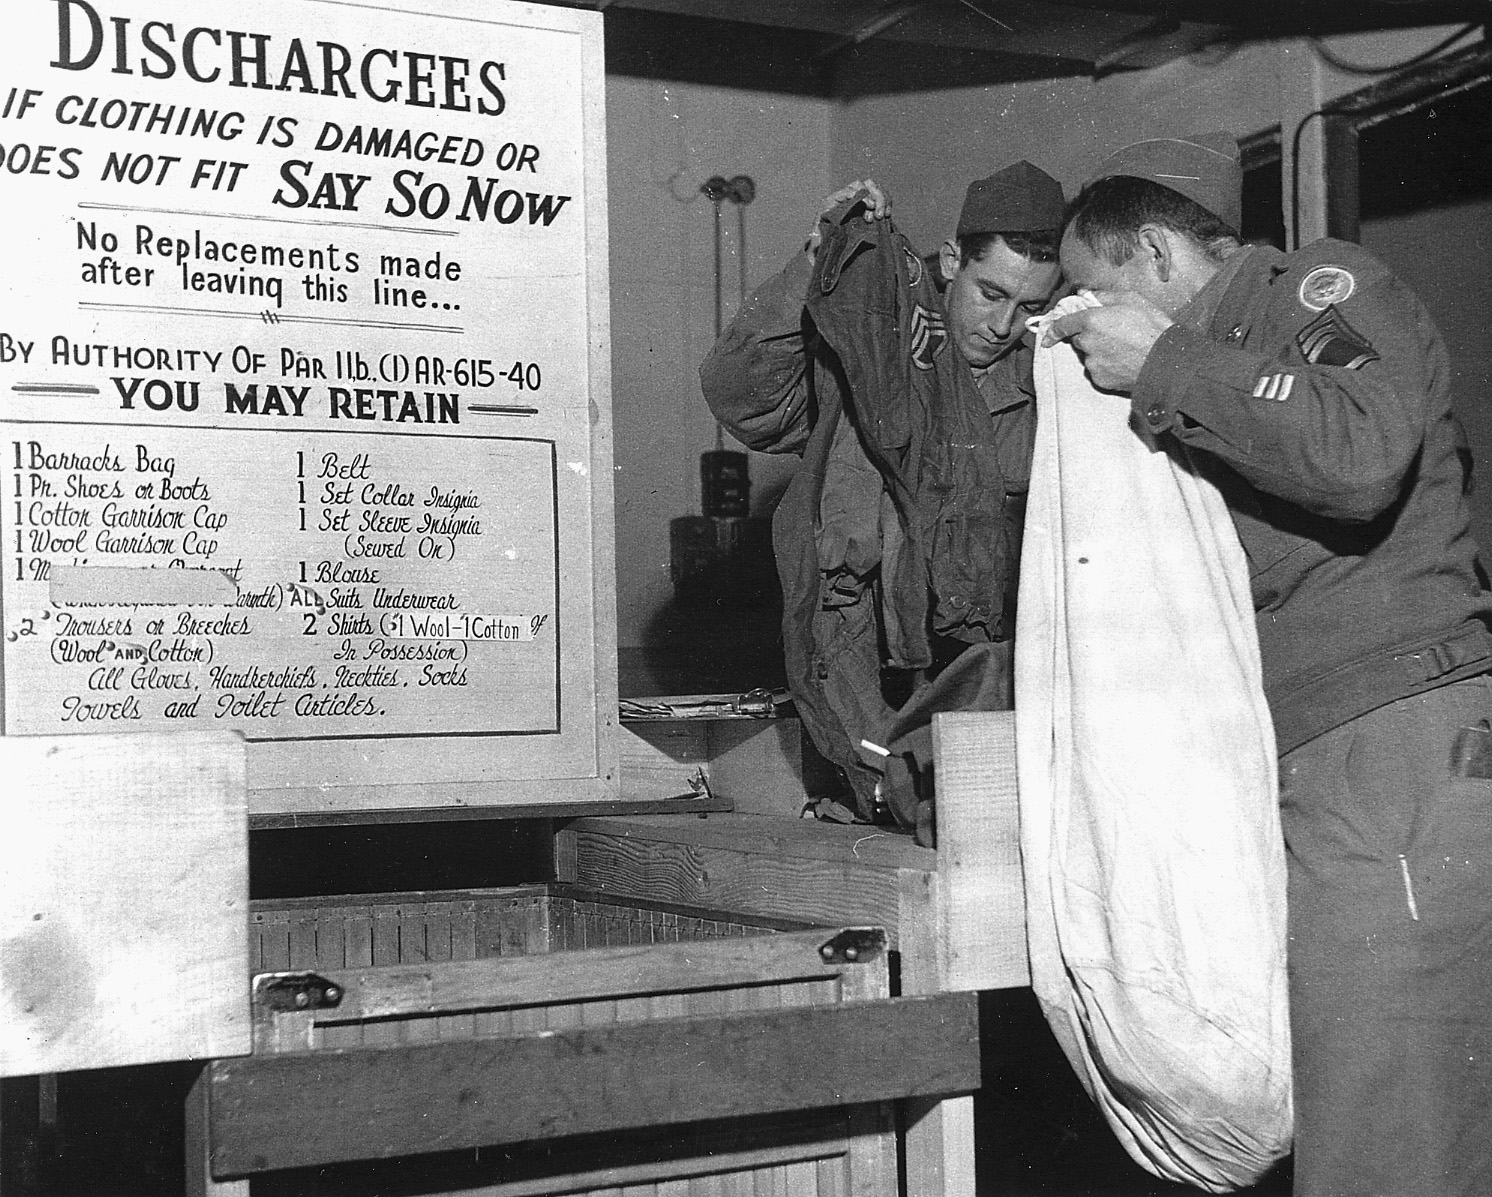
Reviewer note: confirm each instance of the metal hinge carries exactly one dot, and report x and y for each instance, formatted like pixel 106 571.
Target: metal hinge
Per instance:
pixel 854 945
pixel 286 992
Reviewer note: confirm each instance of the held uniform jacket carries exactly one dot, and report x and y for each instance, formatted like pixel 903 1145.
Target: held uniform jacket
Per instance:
pixel 957 486
pixel 903 523
pixel 1321 384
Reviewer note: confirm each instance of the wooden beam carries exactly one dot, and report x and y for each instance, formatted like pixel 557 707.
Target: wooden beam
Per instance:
pixel 630 971
pixel 124 896
pixel 311 1108
pixel 739 878
pixel 979 851
pixel 279 821
pixel 859 844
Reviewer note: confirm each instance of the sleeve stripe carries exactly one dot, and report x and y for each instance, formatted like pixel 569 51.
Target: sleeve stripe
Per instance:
pixel 1274 386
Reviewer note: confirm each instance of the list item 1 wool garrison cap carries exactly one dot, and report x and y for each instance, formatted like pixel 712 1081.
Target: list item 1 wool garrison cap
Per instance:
pixel 1019 199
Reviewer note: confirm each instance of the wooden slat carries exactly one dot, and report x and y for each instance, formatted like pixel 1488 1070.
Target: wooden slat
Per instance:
pixel 599 974
pixel 872 1152
pixel 831 1178
pixel 802 1180
pixel 769 1182
pixel 198 1177
pixel 388 899
pixel 564 854
pixel 637 1164
pixel 463 931
pixel 274 942
pixel 357 952
pixel 386 947
pixel 735 1182
pixel 320 1107
pixel 303 940
pixel 412 949
pixel 979 861
pixel 922 941
pixel 481 807
pixel 357 938
pixel 880 847
pixel 939 1146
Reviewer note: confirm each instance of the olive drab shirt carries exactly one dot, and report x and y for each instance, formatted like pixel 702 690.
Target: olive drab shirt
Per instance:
pixel 1319 381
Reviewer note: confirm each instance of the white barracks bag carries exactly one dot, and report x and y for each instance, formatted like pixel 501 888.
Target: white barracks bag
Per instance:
pixel 1150 831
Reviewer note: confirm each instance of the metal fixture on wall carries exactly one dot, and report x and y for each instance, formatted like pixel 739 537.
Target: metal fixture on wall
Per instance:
pixel 722 558
pixel 725 487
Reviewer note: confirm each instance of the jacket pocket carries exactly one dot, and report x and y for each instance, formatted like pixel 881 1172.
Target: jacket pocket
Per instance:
pixel 972 566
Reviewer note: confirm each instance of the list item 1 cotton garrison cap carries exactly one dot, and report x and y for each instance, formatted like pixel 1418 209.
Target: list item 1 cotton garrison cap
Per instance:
pixel 1019 199
pixel 1204 167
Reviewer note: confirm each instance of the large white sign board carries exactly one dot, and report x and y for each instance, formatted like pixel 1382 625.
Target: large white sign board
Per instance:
pixel 303 383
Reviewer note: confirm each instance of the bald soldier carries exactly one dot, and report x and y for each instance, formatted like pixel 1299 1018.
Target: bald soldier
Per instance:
pixel 1313 387
pixel 905 385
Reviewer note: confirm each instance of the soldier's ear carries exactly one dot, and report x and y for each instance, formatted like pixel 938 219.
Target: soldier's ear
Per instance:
pixel 948 260
pixel 1155 251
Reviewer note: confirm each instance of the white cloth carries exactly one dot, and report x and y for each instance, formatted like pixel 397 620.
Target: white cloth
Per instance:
pixel 1150 832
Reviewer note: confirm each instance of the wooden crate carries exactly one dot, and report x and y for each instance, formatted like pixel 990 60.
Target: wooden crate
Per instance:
pixel 549 1039
pixel 955 915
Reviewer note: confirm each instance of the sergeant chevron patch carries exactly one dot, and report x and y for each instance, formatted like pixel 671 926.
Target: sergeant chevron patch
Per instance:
pixel 929 332
pixel 1329 340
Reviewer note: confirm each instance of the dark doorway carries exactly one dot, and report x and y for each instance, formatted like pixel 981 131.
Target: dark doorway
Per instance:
pixel 1413 153
pixel 1425 181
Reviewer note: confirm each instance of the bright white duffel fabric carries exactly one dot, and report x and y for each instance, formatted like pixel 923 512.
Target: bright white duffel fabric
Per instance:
pixel 1150 831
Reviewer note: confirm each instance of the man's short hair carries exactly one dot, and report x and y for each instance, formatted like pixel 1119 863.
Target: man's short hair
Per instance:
pixel 1039 245
pixel 1109 213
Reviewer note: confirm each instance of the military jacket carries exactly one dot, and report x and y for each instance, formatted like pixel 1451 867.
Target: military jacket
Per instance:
pixel 849 531
pixel 1318 382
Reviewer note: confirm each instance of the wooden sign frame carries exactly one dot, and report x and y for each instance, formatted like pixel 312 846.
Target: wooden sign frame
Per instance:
pixel 160 361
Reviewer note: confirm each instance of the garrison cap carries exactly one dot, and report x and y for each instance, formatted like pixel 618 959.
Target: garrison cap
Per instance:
pixel 1204 167
pixel 1018 199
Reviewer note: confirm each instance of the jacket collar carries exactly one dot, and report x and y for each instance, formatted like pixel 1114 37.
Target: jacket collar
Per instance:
pixel 1241 288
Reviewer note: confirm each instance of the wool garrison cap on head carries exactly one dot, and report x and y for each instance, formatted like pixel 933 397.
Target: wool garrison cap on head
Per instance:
pixel 1203 167
pixel 1018 199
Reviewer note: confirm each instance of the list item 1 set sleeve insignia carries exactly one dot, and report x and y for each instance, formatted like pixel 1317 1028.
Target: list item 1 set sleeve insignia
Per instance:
pixel 1329 340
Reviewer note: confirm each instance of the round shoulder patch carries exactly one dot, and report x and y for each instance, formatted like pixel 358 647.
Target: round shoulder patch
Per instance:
pixel 1325 286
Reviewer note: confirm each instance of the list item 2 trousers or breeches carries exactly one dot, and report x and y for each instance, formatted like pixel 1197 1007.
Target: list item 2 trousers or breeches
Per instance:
pixel 1388 826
